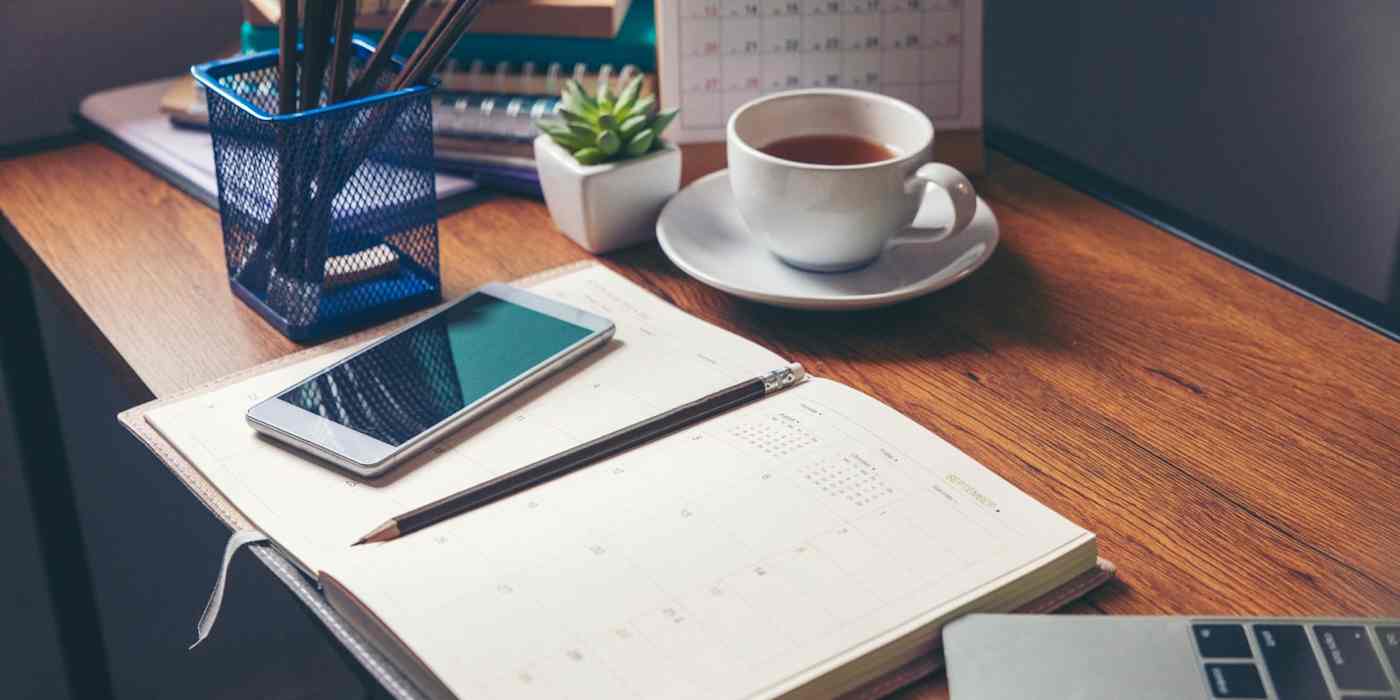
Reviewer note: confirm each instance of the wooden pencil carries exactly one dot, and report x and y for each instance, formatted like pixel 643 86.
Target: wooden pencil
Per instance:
pixel 549 468
pixel 287 58
pixel 343 50
pixel 315 36
pixel 438 25
pixel 269 247
pixel 418 71
pixel 358 140
pixel 384 52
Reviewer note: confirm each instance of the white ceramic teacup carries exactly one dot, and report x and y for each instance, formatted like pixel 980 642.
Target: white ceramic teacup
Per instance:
pixel 838 217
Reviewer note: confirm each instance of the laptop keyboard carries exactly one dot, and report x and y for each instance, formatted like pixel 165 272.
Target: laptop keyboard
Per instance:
pixel 1296 659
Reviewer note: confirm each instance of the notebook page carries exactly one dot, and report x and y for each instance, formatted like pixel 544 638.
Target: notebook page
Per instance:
pixel 659 358
pixel 739 557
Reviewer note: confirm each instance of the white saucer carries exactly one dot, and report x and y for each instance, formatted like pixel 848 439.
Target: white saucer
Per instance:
pixel 701 232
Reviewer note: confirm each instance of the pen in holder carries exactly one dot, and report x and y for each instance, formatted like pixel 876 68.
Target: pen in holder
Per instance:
pixel 329 214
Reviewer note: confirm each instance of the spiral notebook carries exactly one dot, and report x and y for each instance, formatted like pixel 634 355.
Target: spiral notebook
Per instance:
pixel 812 543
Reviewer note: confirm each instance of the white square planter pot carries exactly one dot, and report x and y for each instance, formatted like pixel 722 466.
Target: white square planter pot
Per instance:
pixel 608 206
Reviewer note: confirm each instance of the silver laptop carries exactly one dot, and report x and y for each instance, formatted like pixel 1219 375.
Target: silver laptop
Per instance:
pixel 1007 657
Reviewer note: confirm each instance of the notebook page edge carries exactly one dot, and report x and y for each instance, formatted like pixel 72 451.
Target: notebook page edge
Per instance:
pixel 1080 544
pixel 912 638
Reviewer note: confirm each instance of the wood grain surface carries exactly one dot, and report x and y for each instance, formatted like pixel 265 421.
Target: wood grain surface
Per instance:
pixel 1235 446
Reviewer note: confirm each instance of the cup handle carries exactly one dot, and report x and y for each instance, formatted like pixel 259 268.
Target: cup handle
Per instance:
pixel 959 190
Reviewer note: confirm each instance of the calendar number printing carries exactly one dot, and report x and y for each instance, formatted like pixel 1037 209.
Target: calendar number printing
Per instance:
pixel 718 54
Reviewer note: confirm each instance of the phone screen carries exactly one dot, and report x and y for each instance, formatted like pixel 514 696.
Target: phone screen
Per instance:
pixel 416 379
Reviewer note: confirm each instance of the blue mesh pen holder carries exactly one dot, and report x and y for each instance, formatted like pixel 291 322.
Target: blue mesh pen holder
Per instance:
pixel 330 214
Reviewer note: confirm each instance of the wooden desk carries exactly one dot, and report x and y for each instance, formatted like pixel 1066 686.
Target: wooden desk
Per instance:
pixel 1235 446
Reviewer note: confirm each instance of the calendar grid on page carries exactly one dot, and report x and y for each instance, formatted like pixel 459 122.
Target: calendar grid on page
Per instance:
pixel 718 54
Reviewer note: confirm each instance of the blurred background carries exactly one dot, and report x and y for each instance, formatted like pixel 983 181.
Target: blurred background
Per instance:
pixel 60 51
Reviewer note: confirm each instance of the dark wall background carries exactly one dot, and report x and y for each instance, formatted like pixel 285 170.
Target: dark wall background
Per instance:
pixel 1278 122
pixel 56 52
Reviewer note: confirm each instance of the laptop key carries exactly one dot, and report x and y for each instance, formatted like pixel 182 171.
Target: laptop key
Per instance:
pixel 1234 681
pixel 1217 641
pixel 1390 643
pixel 1290 661
pixel 1354 664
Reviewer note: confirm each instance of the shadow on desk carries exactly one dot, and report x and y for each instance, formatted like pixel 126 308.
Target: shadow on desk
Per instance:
pixel 1002 304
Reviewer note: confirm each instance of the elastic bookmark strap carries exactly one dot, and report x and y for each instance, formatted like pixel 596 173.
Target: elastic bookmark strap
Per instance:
pixel 216 596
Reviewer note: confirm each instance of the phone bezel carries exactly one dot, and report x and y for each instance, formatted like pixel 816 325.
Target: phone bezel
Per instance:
pixel 369 457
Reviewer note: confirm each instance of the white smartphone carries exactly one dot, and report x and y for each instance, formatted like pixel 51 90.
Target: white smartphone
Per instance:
pixel 373 410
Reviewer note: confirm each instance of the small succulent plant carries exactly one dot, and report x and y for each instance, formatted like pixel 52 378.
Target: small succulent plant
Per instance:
pixel 603 128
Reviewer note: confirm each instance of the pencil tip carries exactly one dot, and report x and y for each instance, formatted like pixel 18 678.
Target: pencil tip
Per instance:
pixel 388 531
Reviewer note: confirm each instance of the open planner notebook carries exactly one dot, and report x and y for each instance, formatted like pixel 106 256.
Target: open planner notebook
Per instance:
pixel 812 542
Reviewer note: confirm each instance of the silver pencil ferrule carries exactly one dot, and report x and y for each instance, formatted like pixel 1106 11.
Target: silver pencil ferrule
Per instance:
pixel 783 378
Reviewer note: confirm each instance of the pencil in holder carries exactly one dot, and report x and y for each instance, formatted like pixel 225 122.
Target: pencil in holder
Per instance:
pixel 329 215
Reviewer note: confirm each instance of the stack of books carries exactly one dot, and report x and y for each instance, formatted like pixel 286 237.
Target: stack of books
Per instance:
pixel 502 76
